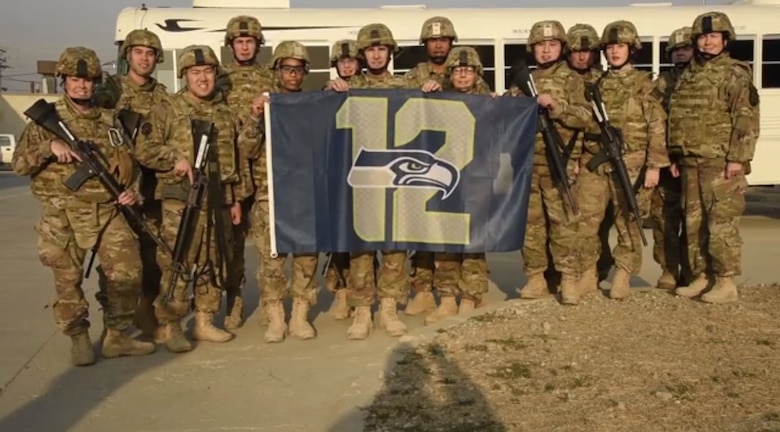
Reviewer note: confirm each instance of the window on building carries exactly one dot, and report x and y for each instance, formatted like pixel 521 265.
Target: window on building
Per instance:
pixel 320 67
pixel 408 58
pixel 513 53
pixel 643 59
pixel 770 62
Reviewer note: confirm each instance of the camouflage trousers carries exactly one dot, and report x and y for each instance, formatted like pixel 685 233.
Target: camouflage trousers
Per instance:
pixel 451 274
pixel 549 219
pixel 606 261
pixel 595 191
pixel 393 278
pixel 236 278
pixel 271 273
pixel 422 271
pixel 151 274
pixel 713 206
pixel 202 254
pixel 64 237
pixel 666 210
pixel 337 272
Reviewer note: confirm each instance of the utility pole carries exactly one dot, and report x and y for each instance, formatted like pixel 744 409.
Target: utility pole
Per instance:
pixel 3 66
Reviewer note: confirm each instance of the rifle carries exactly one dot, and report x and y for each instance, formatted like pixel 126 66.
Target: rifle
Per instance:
pixel 553 143
pixel 612 151
pixel 201 131
pixel 130 121
pixel 93 164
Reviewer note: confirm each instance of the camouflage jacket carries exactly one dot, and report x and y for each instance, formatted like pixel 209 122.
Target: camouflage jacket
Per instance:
pixel 33 156
pixel 167 137
pixel 424 72
pixel 666 82
pixel 365 81
pixel 122 92
pixel 572 112
pixel 633 104
pixel 590 136
pixel 714 111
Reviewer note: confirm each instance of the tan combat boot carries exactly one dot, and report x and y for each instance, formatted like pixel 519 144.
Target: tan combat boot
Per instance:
pixel 235 318
pixel 340 309
pixel 589 281
pixel 388 317
pixel 118 344
pixel 173 337
pixel 570 290
pixel 145 320
pixel 277 328
pixel 620 284
pixel 362 324
pixel 695 288
pixel 205 331
pixel 467 305
pixel 81 352
pixel 299 320
pixel 447 308
pixel 667 281
pixel 263 318
pixel 724 291
pixel 421 303
pixel 535 288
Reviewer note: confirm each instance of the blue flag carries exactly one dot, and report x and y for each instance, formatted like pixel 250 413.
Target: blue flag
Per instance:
pixel 399 170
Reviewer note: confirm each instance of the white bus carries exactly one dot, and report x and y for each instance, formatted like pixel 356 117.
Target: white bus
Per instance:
pixel 499 35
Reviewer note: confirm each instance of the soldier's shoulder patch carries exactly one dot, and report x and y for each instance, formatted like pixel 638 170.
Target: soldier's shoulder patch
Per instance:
pixel 657 93
pixel 146 128
pixel 753 98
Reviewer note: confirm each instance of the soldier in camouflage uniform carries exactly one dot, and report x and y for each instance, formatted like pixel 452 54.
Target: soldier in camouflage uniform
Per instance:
pixel 584 52
pixel 666 202
pixel 138 91
pixel 166 145
pixel 437 35
pixel 375 45
pixel 74 222
pixel 633 105
pixel 460 274
pixel 562 92
pixel 243 83
pixel 290 64
pixel 713 128
pixel 344 58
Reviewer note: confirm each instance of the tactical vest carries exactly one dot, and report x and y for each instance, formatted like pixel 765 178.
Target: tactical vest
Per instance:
pixel 625 94
pixel 699 116
pixel 241 84
pixel 555 82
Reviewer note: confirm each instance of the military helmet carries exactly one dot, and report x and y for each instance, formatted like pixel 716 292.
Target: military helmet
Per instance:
pixel 712 22
pixel 438 27
pixel 290 49
pixel 345 48
pixel 196 55
pixel 243 25
pixel 375 34
pixel 621 32
pixel 679 38
pixel 546 30
pixel 79 62
pixel 582 37
pixel 142 38
pixel 464 56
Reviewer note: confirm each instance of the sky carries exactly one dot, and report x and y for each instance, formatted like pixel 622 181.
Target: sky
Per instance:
pixel 35 30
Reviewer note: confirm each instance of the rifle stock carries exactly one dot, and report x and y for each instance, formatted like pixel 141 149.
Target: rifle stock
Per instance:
pixel 92 164
pixel 553 142
pixel 201 132
pixel 612 151
pixel 130 121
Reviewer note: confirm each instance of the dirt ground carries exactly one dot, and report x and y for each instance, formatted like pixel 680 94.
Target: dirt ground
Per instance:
pixel 653 362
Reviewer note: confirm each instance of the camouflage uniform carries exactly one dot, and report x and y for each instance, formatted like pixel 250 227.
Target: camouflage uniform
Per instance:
pixel 583 37
pixel 167 138
pixel 393 278
pixel 73 222
pixel 121 92
pixel 666 202
pixel 460 274
pixel 271 274
pixel 633 105
pixel 337 270
pixel 548 217
pixel 714 120
pixel 242 83
pixel 423 263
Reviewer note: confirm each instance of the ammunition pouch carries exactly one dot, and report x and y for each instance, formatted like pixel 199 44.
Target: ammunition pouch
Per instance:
pixel 177 191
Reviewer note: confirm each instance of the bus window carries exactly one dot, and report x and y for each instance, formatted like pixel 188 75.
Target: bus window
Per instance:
pixel 164 72
pixel 643 59
pixel 264 57
pixel 513 53
pixel 770 62
pixel 122 67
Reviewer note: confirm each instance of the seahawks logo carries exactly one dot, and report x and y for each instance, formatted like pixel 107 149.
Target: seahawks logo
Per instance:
pixel 403 169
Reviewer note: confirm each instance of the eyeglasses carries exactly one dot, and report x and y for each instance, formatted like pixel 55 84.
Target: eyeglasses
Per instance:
pixel 464 70
pixel 290 69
